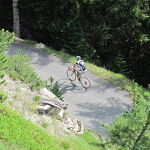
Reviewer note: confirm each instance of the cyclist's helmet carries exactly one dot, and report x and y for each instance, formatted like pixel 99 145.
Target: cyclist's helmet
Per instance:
pixel 78 57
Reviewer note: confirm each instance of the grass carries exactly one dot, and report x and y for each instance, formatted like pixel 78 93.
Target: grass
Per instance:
pixel 118 80
pixel 3 147
pixel 21 133
pixel 29 42
pixel 36 98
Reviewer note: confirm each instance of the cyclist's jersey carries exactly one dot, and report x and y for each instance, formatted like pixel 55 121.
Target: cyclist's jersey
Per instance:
pixel 81 65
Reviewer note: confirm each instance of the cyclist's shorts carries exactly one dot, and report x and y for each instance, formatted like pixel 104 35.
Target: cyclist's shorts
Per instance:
pixel 82 71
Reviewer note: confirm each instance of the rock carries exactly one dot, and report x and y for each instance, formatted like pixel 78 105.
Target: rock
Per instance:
pixel 17 39
pixel 46 94
pixel 69 123
pixel 60 114
pixel 81 127
pixel 52 103
pixel 23 89
pixel 75 125
pixel 44 109
pixel 46 119
pixel 40 45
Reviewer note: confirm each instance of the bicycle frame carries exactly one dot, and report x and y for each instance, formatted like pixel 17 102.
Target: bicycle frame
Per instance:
pixel 74 71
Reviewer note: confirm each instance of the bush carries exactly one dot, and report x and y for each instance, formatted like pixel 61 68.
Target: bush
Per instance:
pixel 3 96
pixel 5 39
pixel 37 98
pixel 54 88
pixel 126 130
pixel 1 74
pixel 18 67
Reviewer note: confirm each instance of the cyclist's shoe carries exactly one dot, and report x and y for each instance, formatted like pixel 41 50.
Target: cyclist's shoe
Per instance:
pixel 80 79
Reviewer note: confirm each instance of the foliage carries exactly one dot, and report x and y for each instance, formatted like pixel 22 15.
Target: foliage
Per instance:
pixel 18 67
pixel 54 88
pixel 120 65
pixel 126 130
pixel 36 98
pixel 29 42
pixel 45 124
pixel 2 81
pixel 3 60
pixel 1 74
pixel 5 39
pixel 3 147
pixel 3 96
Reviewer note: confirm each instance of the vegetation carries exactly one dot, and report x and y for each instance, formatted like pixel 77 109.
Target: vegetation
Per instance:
pixel 5 39
pixel 127 129
pixel 54 87
pixel 133 130
pixel 36 98
pixel 3 96
pixel 3 147
pixel 18 132
pixel 110 33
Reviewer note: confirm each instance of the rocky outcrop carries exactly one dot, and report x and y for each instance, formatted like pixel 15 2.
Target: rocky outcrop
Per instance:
pixel 51 105
pixel 49 110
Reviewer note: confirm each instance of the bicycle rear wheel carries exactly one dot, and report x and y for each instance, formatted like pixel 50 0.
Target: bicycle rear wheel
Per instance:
pixel 71 75
pixel 85 82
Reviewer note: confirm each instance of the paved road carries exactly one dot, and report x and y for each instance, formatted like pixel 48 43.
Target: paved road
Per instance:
pixel 96 106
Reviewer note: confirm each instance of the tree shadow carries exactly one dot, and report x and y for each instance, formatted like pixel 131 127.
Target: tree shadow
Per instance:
pixel 99 114
pixel 68 85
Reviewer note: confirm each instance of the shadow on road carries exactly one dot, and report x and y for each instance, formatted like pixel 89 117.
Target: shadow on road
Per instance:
pixel 99 114
pixel 67 85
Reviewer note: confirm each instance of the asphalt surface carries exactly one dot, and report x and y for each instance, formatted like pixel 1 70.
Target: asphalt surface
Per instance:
pixel 95 106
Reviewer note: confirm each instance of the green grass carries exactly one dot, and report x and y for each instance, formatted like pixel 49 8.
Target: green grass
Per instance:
pixel 36 98
pixel 118 80
pixel 21 133
pixel 3 146
pixel 29 42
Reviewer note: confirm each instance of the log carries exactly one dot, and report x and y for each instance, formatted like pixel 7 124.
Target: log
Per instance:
pixel 44 108
pixel 52 103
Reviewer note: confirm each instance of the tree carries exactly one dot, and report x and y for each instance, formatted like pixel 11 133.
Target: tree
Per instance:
pixel 16 22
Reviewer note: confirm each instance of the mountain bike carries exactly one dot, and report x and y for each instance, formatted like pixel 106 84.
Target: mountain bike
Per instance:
pixel 72 75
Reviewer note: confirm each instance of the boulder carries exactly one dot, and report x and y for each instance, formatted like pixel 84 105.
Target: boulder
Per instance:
pixel 46 94
pixel 40 45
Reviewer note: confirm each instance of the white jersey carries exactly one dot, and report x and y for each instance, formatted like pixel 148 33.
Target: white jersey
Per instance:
pixel 81 65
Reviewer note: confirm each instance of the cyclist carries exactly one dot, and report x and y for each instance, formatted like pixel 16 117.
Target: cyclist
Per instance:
pixel 82 68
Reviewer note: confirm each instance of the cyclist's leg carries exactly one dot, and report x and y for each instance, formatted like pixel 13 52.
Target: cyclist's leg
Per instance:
pixel 80 74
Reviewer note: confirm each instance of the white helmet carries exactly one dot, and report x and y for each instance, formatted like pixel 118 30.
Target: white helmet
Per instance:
pixel 78 57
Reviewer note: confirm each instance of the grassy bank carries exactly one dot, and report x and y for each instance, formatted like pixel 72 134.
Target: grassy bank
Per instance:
pixel 21 133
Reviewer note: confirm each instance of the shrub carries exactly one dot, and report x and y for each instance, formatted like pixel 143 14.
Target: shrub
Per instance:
pixel 126 130
pixel 1 74
pixel 45 125
pixel 5 39
pixel 18 68
pixel 54 88
pixel 3 96
pixel 37 98
pixel 3 61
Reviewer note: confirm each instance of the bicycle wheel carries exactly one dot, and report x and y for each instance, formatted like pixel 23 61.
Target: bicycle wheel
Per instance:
pixel 71 75
pixel 85 82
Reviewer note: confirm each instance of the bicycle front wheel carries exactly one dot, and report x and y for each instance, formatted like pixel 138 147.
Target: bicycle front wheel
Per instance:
pixel 71 75
pixel 85 82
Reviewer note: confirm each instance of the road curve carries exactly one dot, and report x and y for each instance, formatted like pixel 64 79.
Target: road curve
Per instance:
pixel 96 106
